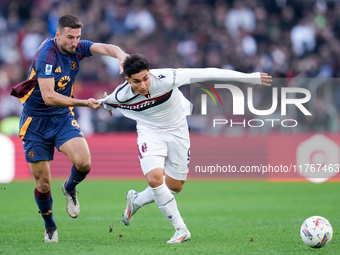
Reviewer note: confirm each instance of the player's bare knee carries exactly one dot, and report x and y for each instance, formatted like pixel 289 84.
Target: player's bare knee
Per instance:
pixel 176 189
pixel 155 177
pixel 83 166
pixel 154 180
pixel 175 186
pixel 43 186
pixel 153 183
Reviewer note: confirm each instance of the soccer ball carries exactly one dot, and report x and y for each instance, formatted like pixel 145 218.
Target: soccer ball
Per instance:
pixel 316 232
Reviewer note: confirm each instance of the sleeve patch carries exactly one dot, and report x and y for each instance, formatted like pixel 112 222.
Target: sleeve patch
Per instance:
pixel 48 69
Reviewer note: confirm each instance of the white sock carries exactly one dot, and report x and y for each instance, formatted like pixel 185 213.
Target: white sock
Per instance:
pixel 144 197
pixel 167 204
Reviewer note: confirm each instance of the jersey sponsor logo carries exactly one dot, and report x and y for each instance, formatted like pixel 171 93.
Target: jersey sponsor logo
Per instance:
pixel 58 70
pixel 139 106
pixel 63 82
pixel 48 69
pixel 73 65
pixel 143 105
pixel 160 77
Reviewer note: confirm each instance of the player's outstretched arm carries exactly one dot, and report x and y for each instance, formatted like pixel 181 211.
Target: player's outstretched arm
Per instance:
pixel 109 50
pixel 185 76
pixel 266 79
pixel 53 98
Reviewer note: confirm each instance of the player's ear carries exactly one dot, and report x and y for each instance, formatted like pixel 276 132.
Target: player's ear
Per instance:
pixel 127 79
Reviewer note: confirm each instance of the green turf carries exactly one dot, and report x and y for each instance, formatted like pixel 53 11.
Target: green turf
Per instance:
pixel 224 217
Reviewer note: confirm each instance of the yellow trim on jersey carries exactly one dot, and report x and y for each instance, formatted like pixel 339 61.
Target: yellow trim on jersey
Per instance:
pixel 32 74
pixel 24 98
pixel 72 90
pixel 25 127
pixel 71 107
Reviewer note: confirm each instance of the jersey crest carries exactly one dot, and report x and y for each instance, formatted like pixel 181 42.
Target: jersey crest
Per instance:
pixel 144 147
pixel 73 65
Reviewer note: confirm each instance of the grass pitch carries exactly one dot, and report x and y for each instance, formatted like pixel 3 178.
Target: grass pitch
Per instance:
pixel 224 217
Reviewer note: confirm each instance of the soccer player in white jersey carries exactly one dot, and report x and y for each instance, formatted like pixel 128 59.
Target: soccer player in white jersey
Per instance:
pixel 152 98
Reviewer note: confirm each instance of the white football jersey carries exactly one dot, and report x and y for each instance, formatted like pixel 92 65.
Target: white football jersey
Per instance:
pixel 165 107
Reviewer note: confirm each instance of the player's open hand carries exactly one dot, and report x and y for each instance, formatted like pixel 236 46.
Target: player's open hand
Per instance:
pixel 266 79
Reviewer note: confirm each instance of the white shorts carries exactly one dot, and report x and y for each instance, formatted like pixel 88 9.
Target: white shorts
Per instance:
pixel 167 150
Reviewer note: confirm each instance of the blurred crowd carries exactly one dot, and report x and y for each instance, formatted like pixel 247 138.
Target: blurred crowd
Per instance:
pixel 288 39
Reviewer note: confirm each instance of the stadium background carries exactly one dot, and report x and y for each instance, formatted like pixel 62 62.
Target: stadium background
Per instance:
pixel 284 38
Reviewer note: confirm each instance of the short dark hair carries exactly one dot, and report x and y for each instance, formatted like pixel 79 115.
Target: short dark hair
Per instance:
pixel 135 63
pixel 69 20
